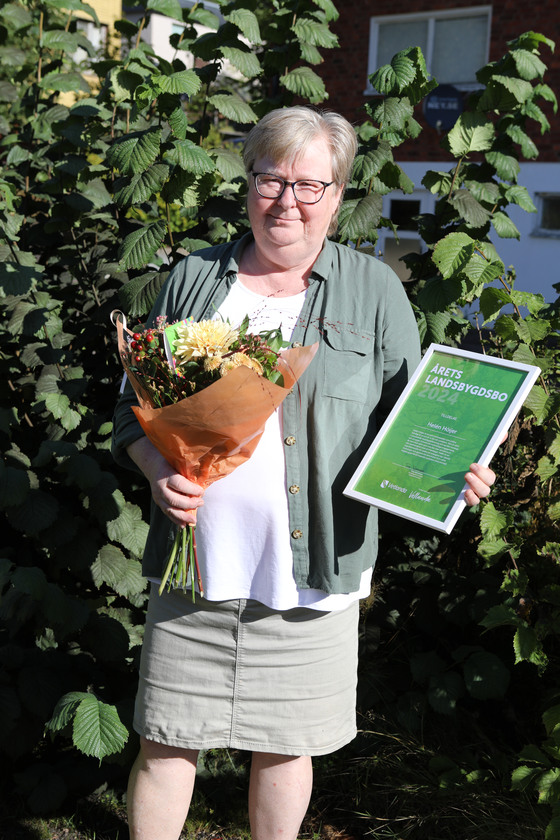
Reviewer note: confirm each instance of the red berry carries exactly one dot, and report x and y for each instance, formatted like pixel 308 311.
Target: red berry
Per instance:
pixel 150 337
pixel 137 337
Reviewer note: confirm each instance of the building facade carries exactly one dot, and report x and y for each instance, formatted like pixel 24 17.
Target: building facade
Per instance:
pixel 457 38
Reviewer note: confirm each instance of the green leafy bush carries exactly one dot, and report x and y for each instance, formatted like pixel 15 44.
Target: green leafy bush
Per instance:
pixel 100 194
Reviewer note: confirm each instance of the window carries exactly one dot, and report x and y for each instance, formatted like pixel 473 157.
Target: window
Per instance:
pixel 96 34
pixel 402 212
pixel 548 206
pixel 454 42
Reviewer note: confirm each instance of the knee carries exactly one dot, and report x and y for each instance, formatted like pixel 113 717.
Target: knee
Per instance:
pixel 152 752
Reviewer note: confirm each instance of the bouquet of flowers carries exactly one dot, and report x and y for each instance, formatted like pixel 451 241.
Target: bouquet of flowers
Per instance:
pixel 205 390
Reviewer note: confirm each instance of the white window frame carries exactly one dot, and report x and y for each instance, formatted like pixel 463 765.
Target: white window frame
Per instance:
pixel 431 17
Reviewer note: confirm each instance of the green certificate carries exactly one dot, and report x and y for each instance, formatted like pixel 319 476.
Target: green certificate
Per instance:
pixel 453 412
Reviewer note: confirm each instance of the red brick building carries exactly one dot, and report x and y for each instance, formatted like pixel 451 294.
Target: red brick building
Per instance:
pixel 457 38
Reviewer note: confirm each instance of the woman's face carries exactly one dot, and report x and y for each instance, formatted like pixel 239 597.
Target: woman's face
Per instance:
pixel 284 226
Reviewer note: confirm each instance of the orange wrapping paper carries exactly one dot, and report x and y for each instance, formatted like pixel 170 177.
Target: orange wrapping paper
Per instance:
pixel 206 436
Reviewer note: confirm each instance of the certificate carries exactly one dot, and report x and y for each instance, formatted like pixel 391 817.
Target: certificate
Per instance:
pixel 453 412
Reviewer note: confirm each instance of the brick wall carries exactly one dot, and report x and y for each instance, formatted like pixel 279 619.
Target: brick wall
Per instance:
pixel 344 70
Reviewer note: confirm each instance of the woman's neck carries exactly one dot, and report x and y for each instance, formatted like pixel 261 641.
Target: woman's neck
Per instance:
pixel 270 277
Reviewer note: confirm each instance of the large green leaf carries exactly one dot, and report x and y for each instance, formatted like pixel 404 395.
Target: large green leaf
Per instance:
pixel 14 486
pixel 169 8
pixel 139 294
pixel 393 78
pixel 471 133
pixel 504 226
pixel 135 152
pixel 140 246
pixel 190 157
pixel 315 33
pixel 494 523
pixel 37 511
pixel 507 167
pixel 183 82
pixel 528 147
pixel 143 185
pixel 486 676
pixel 372 161
pixel 444 691
pixel 59 39
pixel 121 573
pixel 233 107
pixel 229 164
pixel 471 210
pixel 243 60
pixel 304 82
pixel 393 113
pixel 359 217
pixel 129 529
pixel 97 729
pixel 453 252
pixel 247 22
pixel 64 82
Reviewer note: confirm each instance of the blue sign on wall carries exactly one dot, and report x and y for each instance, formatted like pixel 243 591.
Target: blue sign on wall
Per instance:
pixel 442 106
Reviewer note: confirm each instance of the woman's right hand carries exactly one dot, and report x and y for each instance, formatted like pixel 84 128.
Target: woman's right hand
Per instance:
pixel 174 494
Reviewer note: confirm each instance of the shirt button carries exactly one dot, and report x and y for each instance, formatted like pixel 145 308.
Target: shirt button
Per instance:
pixel 294 489
pixel 297 534
pixel 290 440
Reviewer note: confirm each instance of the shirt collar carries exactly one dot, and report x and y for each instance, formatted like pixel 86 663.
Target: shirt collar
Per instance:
pixel 320 271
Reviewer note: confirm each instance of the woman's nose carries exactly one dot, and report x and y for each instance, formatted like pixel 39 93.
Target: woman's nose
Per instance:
pixel 288 198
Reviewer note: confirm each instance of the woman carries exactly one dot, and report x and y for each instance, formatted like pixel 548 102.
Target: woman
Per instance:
pixel 266 661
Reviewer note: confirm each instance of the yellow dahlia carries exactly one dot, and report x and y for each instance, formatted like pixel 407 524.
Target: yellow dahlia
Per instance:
pixel 238 359
pixel 201 339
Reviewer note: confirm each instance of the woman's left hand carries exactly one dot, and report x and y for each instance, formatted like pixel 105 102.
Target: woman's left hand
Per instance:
pixel 480 481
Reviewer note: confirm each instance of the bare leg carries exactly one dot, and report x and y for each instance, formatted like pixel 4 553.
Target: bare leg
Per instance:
pixel 279 793
pixel 159 791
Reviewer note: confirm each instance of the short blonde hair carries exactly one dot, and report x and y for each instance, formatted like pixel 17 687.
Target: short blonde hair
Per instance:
pixel 285 133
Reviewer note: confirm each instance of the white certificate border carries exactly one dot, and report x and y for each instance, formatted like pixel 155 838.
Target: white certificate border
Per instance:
pixel 516 402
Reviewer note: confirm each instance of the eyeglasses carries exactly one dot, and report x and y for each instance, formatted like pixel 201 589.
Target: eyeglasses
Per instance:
pixel 305 191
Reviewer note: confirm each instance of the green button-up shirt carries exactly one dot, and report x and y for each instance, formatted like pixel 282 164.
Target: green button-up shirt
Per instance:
pixel 357 309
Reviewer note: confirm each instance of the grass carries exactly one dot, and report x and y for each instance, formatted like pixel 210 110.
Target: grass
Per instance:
pixel 387 785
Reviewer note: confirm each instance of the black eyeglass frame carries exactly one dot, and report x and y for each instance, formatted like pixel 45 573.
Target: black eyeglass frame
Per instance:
pixel 291 184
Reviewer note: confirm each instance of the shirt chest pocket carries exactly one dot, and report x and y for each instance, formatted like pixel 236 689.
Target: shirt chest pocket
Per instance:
pixel 348 364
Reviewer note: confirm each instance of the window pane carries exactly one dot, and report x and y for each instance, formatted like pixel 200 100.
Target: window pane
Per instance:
pixel 551 213
pixel 459 49
pixel 393 37
pixel 403 213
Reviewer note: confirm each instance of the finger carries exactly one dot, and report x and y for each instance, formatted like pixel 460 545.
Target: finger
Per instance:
pixel 180 484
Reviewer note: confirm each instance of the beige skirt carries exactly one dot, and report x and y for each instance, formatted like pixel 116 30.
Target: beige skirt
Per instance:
pixel 238 674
